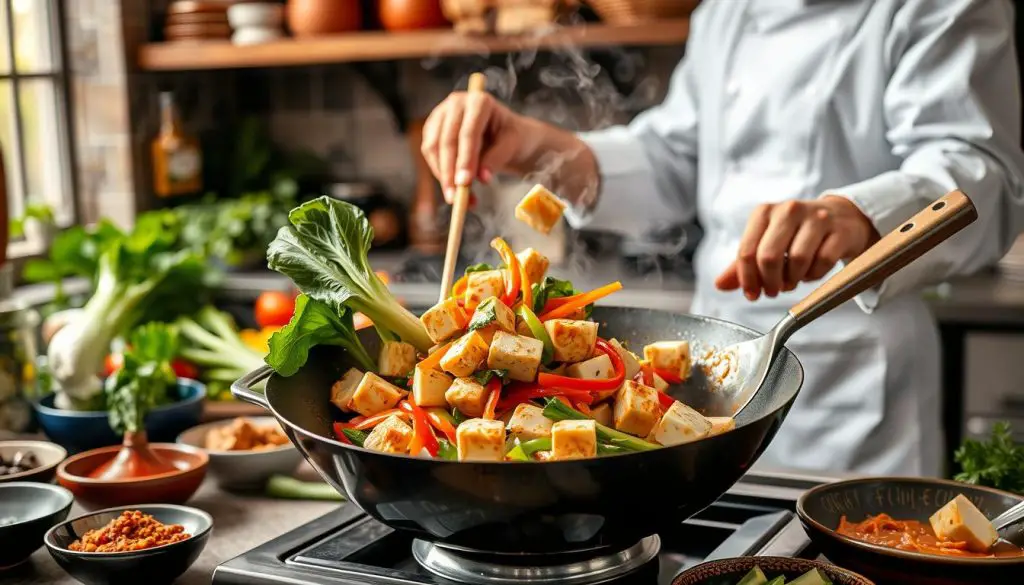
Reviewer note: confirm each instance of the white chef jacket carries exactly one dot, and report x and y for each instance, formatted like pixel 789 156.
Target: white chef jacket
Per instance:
pixel 891 103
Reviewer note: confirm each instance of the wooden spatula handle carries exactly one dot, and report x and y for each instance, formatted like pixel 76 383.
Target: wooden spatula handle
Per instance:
pixel 919 234
pixel 477 83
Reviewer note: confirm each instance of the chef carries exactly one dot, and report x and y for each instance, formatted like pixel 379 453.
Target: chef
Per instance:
pixel 796 132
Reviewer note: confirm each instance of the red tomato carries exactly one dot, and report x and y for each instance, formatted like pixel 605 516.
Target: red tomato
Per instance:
pixel 274 309
pixel 183 369
pixel 112 364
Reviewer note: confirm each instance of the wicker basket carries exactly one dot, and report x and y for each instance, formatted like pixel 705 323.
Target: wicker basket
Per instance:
pixel 631 11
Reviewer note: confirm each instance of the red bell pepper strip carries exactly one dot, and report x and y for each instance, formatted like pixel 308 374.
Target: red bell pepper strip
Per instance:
pixel 339 433
pixel 527 393
pixel 423 436
pixel 372 421
pixel 555 381
pixel 442 424
pixel 670 377
pixel 665 400
pixel 580 301
pixel 494 387
pixel 514 272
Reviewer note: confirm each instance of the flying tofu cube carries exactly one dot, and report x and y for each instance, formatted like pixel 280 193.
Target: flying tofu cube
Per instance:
pixel 680 424
pixel 465 355
pixel 444 320
pixel 960 520
pixel 636 409
pixel 528 422
pixel 491 316
pixel 429 386
pixel 375 394
pixel 540 209
pixel 572 340
pixel 671 356
pixel 391 436
pixel 518 355
pixel 467 395
pixel 343 389
pixel 397 358
pixel 481 440
pixel 534 264
pixel 481 286
pixel 574 439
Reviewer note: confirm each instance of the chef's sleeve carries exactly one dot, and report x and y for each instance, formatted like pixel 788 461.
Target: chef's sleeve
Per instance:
pixel 953 110
pixel 648 168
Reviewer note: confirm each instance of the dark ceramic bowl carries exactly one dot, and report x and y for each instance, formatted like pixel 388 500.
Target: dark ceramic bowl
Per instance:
pixel 153 566
pixel 174 487
pixel 48 456
pixel 79 431
pixel 27 511
pixel 730 571
pixel 821 508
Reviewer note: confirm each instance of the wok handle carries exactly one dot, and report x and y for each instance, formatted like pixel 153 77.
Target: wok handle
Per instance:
pixel 935 224
pixel 242 387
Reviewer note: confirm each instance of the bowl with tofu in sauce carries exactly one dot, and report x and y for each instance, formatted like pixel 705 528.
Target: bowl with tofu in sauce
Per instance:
pixel 918 531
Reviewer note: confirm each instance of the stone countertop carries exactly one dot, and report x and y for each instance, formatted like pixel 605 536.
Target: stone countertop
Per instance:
pixel 241 522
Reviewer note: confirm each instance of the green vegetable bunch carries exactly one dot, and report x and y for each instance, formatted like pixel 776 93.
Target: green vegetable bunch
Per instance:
pixel 997 463
pixel 236 230
pixel 211 342
pixel 145 381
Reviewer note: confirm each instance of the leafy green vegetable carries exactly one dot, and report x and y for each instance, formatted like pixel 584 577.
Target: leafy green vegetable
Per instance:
pixel 485 314
pixel 447 451
pixel 357 437
pixel 236 231
pixel 524 451
pixel 146 379
pixel 553 288
pixel 283 486
pixel 481 267
pixel 458 418
pixel 324 252
pixel 483 377
pixel 997 463
pixel 73 252
pixel 211 342
pixel 556 410
pixel 315 323
pixel 40 212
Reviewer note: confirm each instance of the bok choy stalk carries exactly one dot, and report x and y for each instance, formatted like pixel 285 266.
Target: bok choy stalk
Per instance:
pixel 211 342
pixel 135 273
pixel 324 252
pixel 315 323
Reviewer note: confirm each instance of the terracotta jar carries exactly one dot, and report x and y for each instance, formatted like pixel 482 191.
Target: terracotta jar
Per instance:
pixel 322 17
pixel 398 15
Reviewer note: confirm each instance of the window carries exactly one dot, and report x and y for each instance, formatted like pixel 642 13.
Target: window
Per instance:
pixel 33 114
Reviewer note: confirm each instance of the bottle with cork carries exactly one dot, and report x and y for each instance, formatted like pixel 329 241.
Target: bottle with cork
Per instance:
pixel 177 158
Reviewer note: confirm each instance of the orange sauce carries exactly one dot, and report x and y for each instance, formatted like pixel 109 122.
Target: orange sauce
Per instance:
pixel 914 536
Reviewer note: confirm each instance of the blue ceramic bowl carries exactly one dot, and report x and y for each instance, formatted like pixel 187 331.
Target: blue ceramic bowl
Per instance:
pixel 79 431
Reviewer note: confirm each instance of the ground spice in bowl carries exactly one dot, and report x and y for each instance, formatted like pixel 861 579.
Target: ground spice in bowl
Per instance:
pixel 131 531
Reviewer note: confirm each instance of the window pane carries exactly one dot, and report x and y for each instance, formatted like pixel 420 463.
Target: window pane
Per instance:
pixel 45 156
pixel 10 150
pixel 33 37
pixel 5 53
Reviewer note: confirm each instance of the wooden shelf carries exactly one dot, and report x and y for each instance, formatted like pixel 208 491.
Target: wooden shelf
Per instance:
pixel 384 46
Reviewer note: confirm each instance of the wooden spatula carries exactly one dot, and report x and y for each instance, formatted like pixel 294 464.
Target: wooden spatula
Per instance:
pixel 477 82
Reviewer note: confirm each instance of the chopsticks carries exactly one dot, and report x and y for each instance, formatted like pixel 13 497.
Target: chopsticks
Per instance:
pixel 477 83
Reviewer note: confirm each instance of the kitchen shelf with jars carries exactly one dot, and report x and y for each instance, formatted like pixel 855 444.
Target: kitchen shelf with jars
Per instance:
pixel 221 35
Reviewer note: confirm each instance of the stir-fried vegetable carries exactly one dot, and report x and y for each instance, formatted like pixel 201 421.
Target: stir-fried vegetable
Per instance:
pixel 557 410
pixel 537 330
pixel 547 380
pixel 315 323
pixel 581 301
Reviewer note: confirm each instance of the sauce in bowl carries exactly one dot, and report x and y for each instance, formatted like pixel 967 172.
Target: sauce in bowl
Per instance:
pixel 915 536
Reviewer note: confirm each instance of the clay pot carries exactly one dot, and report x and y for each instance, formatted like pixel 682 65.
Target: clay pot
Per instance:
pixel 322 17
pixel 398 15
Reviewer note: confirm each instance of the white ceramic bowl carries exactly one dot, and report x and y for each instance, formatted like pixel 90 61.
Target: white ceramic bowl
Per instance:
pixel 256 14
pixel 243 470
pixel 48 455
pixel 255 35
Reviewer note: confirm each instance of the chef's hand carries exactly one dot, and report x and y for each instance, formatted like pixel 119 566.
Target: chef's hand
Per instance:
pixel 794 241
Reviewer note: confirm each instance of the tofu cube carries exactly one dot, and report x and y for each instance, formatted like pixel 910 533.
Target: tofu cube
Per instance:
pixel 637 409
pixel 721 424
pixel 391 436
pixel 602 414
pixel 960 520
pixel 573 341
pixel 540 209
pixel 343 389
pixel 467 395
pixel 593 369
pixel 671 356
pixel 517 354
pixel 680 424
pixel 429 386
pixel 466 355
pixel 396 359
pixel 481 286
pixel 574 439
pixel 375 394
pixel 444 320
pixel 629 359
pixel 481 440
pixel 492 316
pixel 528 422
pixel 534 264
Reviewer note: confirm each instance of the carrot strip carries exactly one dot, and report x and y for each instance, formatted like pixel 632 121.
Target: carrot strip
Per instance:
pixel 581 301
pixel 433 360
pixel 492 399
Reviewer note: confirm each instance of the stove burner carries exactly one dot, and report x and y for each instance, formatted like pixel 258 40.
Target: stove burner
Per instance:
pixel 468 568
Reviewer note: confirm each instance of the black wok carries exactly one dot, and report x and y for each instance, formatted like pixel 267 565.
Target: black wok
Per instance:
pixel 561 506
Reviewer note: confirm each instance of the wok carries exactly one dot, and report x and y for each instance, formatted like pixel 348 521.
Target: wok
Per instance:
pixel 551 507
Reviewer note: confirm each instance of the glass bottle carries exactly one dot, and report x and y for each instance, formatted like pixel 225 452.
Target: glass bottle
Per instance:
pixel 177 159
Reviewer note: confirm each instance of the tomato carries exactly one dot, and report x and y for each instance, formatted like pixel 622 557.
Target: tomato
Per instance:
pixel 183 369
pixel 112 364
pixel 274 309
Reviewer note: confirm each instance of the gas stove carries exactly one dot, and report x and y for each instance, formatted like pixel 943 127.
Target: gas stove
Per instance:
pixel 345 546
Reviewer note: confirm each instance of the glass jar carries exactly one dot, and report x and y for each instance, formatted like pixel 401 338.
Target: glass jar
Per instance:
pixel 18 352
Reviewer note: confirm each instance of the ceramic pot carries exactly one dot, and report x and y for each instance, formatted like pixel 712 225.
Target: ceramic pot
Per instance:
pixel 322 17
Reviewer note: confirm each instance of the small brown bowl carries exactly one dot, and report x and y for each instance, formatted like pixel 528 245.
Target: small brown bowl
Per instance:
pixel 732 570
pixel 174 487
